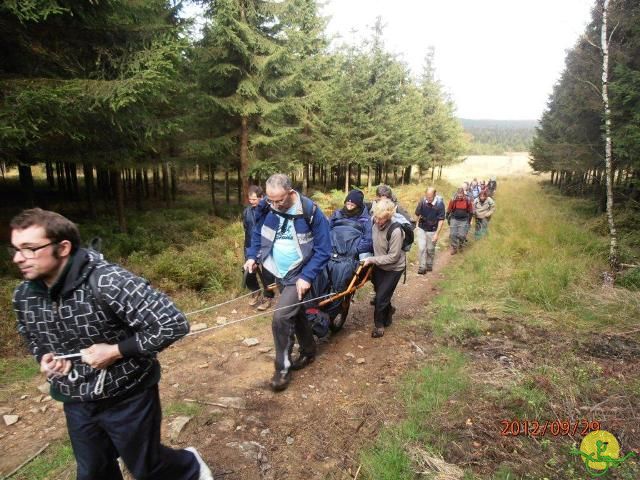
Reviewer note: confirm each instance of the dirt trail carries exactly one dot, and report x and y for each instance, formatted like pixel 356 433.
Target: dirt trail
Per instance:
pixel 314 429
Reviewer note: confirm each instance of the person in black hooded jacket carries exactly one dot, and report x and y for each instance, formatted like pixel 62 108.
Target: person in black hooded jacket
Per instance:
pixel 262 297
pixel 74 302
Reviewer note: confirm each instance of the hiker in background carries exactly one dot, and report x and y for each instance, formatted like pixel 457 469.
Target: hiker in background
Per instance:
pixel 401 215
pixel 262 297
pixel 483 186
pixel 72 301
pixel 483 209
pixel 467 191
pixel 475 188
pixel 469 196
pixel 459 213
pixel 492 185
pixel 292 241
pixel 389 260
pixel 431 213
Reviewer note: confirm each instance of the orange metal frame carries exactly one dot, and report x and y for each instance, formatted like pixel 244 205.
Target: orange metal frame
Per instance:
pixel 350 289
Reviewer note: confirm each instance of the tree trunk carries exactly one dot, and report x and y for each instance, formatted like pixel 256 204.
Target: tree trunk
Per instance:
pixel 369 178
pixel 87 170
pixel 305 178
pixel 145 173
pixel 26 183
pixel 212 186
pixel 244 156
pixel 49 170
pixel 239 186
pixel 174 182
pixel 608 160
pixel 347 174
pixel 116 182
pixel 166 197
pixel 407 175
pixel 226 186
pixel 139 187
pixel 156 181
pixel 359 179
pixel 62 187
pixel 73 171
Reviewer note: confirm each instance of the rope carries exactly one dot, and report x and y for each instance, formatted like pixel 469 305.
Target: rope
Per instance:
pixel 218 305
pixel 258 315
pixel 99 387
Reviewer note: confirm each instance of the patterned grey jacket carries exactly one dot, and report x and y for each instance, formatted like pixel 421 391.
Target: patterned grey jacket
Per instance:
pixel 68 317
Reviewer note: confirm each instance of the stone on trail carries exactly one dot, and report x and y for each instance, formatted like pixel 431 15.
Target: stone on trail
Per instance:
pixel 10 419
pixel 196 327
pixel 6 410
pixel 350 355
pixel 251 450
pixel 226 425
pixel 360 361
pixel 265 349
pixel 44 388
pixel 250 342
pixel 234 311
pixel 221 320
pixel 177 425
pixel 232 402
pixel 290 440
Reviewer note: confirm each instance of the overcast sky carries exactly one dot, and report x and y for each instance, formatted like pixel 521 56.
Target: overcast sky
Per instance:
pixel 498 59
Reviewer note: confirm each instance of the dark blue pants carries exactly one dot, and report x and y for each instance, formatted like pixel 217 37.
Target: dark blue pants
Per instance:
pixel 287 324
pixel 104 430
pixel 385 282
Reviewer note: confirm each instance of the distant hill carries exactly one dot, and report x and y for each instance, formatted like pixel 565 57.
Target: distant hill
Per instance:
pixel 494 137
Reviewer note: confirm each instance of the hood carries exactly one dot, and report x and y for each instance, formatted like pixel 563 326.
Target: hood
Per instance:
pixel 81 264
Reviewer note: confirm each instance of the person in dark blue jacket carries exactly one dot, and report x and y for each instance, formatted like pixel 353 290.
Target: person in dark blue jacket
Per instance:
pixel 291 240
pixel 262 297
pixel 355 209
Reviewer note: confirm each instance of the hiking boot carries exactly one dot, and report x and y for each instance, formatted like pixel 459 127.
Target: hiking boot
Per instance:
pixel 389 321
pixel 265 305
pixel 302 361
pixel 256 298
pixel 429 268
pixel 454 250
pixel 377 332
pixel 205 472
pixel 421 271
pixel 280 381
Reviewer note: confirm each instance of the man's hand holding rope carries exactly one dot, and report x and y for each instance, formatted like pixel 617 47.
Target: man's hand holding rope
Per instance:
pixel 100 355
pixel 53 367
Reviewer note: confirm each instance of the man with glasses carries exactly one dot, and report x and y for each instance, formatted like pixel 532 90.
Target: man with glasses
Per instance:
pixel 74 302
pixel 292 241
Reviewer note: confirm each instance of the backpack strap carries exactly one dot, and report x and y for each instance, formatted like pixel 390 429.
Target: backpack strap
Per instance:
pixel 390 230
pixel 309 208
pixel 97 294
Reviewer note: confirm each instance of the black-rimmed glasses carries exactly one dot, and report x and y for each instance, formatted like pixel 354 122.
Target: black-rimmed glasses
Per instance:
pixel 27 252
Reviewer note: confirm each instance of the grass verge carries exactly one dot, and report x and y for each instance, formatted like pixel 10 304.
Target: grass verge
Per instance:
pixel 541 340
pixel 52 463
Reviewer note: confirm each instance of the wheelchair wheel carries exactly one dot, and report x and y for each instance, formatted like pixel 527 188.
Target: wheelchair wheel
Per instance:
pixel 338 321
